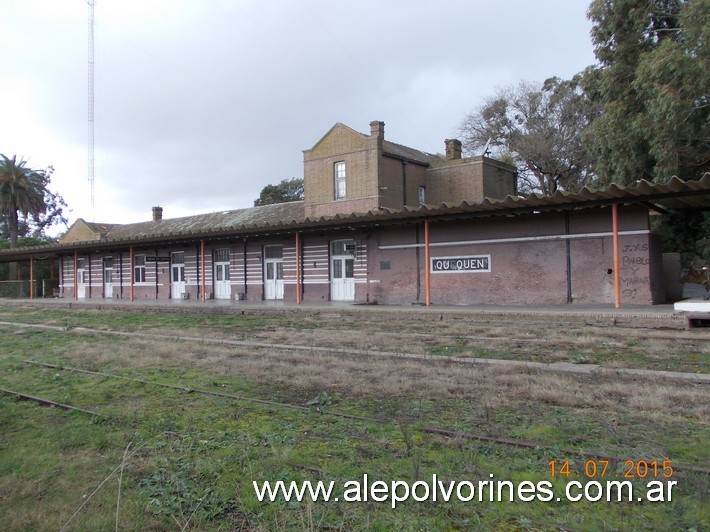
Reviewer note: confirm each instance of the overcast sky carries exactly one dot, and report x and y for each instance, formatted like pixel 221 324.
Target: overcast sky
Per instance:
pixel 201 103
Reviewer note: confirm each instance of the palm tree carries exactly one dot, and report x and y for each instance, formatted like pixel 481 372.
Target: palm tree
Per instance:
pixel 22 192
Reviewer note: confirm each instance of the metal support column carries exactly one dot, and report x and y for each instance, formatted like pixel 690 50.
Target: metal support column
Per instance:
pixel 427 264
pixel 298 268
pixel 202 267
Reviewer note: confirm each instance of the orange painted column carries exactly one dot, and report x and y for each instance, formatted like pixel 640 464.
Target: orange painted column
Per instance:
pixel 130 259
pixel 76 276
pixel 202 267
pixel 32 277
pixel 298 268
pixel 617 260
pixel 427 265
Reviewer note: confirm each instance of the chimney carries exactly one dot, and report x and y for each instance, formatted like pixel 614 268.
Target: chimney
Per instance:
pixel 157 214
pixel 453 149
pixel 377 130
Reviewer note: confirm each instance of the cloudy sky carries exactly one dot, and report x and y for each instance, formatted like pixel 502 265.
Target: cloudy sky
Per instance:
pixel 200 103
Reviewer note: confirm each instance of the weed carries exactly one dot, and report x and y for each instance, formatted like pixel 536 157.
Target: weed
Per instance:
pixel 321 400
pixel 631 342
pixel 579 358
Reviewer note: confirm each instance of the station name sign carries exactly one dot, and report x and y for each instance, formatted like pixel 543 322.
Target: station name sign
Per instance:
pixel 157 259
pixel 476 263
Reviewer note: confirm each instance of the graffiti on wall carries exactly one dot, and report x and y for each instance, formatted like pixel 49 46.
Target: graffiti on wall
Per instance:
pixel 634 268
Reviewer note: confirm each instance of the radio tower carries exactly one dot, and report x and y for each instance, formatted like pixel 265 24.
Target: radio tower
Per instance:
pixel 91 4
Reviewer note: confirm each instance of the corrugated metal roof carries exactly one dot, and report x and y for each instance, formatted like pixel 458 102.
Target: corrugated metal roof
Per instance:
pixel 676 193
pixel 290 217
pixel 214 222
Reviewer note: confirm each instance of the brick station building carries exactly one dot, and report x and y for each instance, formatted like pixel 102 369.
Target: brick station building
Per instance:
pixel 384 223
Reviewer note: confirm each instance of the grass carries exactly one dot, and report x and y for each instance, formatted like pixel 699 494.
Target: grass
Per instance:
pixel 575 340
pixel 196 455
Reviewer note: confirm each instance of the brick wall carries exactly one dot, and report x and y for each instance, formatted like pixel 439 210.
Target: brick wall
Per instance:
pixel 532 270
pixel 375 180
pixel 345 206
pixel 499 179
pixel 397 275
pixel 79 232
pixel 361 157
pixel 472 179
pixel 390 267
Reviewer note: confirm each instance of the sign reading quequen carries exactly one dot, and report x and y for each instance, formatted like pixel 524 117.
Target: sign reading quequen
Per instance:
pixel 477 263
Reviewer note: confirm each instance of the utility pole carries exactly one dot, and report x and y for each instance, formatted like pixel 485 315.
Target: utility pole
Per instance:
pixel 91 4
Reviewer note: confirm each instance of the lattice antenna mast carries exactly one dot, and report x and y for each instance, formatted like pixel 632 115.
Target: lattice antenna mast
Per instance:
pixel 91 4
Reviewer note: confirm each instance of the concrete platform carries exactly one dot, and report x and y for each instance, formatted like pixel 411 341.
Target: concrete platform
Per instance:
pixel 692 305
pixel 579 309
pixel 695 311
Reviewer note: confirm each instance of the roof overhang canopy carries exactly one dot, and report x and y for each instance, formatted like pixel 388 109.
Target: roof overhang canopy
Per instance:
pixel 673 195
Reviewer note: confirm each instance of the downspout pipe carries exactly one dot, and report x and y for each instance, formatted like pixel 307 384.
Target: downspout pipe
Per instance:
pixel 617 260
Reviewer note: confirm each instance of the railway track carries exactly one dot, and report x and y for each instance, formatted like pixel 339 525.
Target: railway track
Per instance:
pixel 439 431
pixel 337 350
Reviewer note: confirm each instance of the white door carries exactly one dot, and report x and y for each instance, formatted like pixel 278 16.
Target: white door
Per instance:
pixel 108 277
pixel 273 272
pixel 177 275
pixel 274 279
pixel 342 270
pixel 80 279
pixel 222 287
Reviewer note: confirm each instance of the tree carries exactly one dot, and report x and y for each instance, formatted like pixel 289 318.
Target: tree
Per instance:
pixel 21 192
pixel 652 85
pixel 287 190
pixel 541 129
pixel 27 206
pixel 26 203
